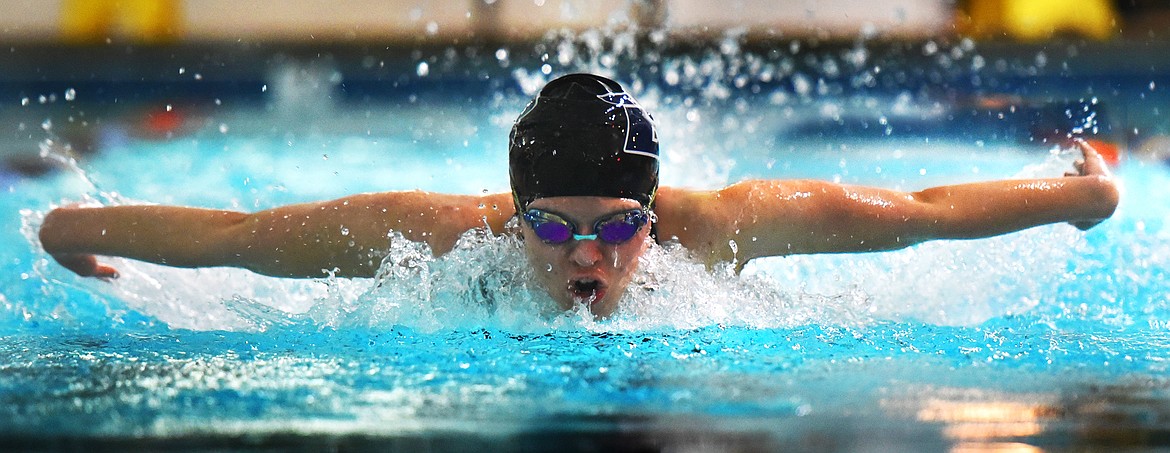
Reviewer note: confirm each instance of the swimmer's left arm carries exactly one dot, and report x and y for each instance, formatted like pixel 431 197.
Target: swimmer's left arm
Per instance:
pixel 770 218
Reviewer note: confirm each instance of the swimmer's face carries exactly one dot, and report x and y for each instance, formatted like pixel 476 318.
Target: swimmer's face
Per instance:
pixel 590 272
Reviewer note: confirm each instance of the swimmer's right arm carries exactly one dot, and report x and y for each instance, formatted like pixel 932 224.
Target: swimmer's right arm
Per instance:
pixel 349 235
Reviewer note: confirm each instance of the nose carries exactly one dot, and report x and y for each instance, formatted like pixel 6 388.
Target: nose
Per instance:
pixel 586 253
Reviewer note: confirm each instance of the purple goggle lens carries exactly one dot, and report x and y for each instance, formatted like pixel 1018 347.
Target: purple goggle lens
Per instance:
pixel 612 229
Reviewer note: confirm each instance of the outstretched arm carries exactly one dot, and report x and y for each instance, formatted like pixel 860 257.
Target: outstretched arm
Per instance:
pixel 348 234
pixel 769 218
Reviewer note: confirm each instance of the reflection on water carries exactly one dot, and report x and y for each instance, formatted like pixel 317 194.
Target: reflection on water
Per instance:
pixel 506 390
pixel 1131 413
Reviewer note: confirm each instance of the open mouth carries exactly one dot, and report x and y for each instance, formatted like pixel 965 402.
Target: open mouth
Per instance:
pixel 586 290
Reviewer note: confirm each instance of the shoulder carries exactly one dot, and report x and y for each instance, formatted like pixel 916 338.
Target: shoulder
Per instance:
pixel 760 211
pixel 702 220
pixel 432 210
pixel 496 208
pixel 741 195
pixel 418 200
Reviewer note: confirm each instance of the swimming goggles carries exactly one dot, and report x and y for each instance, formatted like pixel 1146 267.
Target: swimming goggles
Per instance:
pixel 612 229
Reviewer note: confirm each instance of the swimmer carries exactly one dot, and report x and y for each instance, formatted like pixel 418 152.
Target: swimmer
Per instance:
pixel 584 162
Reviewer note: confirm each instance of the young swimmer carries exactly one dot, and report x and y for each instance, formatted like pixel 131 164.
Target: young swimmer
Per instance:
pixel 583 165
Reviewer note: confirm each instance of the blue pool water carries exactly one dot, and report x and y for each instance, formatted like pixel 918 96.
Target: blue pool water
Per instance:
pixel 1051 337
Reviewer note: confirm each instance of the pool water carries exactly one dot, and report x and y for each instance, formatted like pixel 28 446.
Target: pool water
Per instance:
pixel 1050 337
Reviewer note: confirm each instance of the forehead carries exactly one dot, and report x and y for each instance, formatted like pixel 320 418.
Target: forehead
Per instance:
pixel 584 207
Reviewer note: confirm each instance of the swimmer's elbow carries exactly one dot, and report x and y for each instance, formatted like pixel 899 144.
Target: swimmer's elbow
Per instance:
pixel 1106 196
pixel 53 229
pixel 241 240
pixel 272 244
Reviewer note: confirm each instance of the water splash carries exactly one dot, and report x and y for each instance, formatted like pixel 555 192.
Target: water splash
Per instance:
pixel 486 282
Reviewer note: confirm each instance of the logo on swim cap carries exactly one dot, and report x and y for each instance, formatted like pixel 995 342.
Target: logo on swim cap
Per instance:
pixel 641 135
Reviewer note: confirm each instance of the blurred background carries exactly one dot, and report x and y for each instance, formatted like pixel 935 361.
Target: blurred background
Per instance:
pixel 174 21
pixel 76 71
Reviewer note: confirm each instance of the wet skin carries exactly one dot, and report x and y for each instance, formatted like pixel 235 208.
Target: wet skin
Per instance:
pixel 763 217
pixel 589 272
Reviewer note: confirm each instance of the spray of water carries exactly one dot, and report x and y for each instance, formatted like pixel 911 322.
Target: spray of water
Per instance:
pixel 710 116
pixel 486 281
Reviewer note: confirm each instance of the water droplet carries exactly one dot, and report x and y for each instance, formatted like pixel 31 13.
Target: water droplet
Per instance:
pixel 930 48
pixel 223 128
pixel 423 69
pixel 182 70
pixel 71 94
pixel 344 231
pixel 24 101
pixel 47 124
pixel 977 62
pixel 801 84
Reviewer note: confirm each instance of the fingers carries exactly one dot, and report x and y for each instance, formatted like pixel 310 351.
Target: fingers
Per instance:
pixel 105 272
pixel 1093 163
pixel 87 266
pixel 1087 150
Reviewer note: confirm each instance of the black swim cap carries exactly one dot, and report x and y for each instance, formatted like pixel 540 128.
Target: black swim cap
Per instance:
pixel 583 135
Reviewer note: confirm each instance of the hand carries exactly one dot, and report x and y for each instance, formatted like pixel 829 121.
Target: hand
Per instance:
pixel 54 229
pixel 86 266
pixel 1091 165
